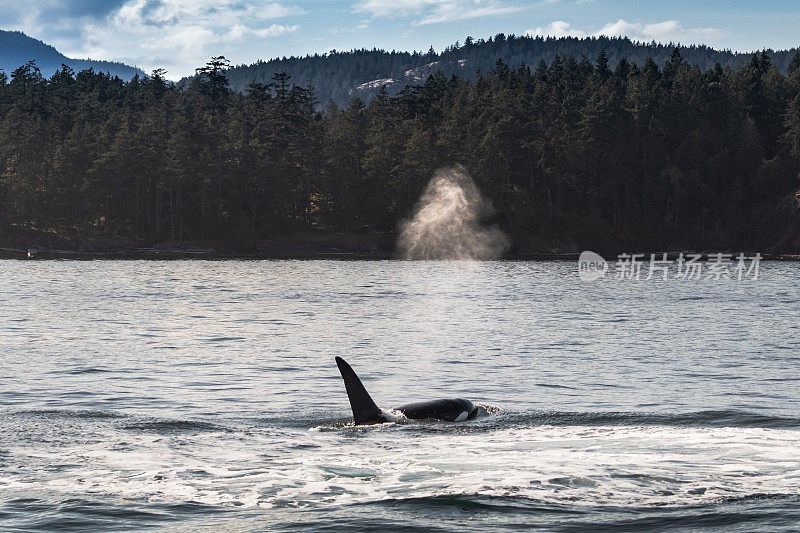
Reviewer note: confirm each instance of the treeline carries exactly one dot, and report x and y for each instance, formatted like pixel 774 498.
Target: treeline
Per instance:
pixel 574 154
pixel 342 75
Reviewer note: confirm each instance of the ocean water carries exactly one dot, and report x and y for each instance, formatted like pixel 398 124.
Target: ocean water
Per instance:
pixel 203 395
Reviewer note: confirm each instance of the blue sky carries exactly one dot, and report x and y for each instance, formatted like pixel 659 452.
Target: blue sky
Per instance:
pixel 180 35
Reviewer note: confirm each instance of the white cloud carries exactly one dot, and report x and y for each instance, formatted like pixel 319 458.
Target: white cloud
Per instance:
pixel 557 28
pixel 666 31
pixel 240 32
pixel 178 35
pixel 275 30
pixel 669 30
pixel 435 11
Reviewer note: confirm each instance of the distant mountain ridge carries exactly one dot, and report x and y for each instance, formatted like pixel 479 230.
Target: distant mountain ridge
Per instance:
pixel 16 49
pixel 340 76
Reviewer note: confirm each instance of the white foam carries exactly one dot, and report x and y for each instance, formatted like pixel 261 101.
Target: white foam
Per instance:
pixel 620 466
pixel 395 416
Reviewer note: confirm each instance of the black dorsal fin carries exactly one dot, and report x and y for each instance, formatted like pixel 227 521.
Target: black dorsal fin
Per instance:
pixel 364 409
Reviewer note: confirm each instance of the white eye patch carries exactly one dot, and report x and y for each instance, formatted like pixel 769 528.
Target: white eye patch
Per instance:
pixel 463 416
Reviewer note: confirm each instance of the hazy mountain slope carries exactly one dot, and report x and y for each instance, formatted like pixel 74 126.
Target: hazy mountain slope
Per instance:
pixel 16 49
pixel 342 75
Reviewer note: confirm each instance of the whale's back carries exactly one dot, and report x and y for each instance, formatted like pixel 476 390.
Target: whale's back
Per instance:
pixel 449 410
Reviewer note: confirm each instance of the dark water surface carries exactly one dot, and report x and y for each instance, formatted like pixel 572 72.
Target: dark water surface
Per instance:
pixel 203 395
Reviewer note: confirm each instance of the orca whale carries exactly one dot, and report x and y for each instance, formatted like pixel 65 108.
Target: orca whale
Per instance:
pixel 365 411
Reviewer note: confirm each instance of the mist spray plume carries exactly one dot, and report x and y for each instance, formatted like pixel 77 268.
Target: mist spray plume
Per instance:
pixel 447 221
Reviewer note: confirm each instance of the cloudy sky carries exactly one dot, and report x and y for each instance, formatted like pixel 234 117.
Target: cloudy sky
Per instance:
pixel 180 35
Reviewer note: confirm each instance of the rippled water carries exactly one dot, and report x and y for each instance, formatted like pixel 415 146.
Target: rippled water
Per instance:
pixel 193 394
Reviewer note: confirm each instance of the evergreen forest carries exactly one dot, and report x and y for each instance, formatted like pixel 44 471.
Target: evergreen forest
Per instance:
pixel 574 153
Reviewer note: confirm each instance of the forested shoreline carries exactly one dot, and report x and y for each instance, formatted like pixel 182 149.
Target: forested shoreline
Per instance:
pixel 574 154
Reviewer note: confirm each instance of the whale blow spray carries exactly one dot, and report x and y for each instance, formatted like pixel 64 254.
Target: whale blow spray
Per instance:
pixel 447 221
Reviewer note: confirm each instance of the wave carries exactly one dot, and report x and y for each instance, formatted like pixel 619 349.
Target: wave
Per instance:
pixel 81 514
pixel 175 426
pixel 67 413
pixel 127 422
pixel 489 418
pixel 705 418
pixel 87 370
pixel 775 512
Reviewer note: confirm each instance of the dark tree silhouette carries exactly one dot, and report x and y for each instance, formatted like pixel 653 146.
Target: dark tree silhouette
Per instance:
pixel 620 155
